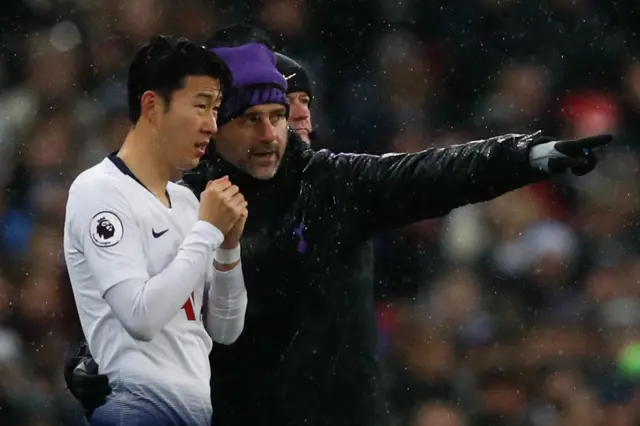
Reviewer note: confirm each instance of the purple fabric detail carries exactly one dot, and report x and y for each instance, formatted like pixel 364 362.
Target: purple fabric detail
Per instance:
pixel 237 101
pixel 251 64
pixel 256 80
pixel 302 243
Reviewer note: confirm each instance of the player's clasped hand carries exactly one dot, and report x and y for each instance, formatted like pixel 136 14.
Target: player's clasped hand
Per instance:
pixel 222 204
pixel 232 239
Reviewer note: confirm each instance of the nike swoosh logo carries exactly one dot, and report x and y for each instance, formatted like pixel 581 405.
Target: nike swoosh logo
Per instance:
pixel 291 76
pixel 158 234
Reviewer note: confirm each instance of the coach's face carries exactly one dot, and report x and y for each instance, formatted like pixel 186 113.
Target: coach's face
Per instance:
pixel 188 121
pixel 300 115
pixel 255 142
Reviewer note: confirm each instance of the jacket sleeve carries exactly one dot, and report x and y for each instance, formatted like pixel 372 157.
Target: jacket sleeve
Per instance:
pixel 393 190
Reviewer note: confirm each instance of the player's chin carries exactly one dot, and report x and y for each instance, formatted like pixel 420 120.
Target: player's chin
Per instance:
pixel 188 163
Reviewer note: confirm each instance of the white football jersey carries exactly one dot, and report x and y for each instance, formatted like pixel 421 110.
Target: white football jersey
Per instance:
pixel 132 235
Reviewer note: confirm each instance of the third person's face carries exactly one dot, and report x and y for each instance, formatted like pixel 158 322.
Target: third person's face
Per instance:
pixel 300 114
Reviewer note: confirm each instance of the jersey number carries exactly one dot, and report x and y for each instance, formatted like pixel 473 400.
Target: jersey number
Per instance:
pixel 188 308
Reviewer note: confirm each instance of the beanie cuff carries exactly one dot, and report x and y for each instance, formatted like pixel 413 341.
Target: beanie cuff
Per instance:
pixel 237 100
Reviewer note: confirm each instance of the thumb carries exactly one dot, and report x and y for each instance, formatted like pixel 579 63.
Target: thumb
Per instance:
pixel 579 166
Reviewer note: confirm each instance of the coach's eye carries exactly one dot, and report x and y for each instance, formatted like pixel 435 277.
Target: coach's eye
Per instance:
pixel 275 118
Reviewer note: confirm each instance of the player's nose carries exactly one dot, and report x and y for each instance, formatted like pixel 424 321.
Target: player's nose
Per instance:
pixel 209 125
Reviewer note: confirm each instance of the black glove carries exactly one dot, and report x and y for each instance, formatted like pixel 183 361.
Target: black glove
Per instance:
pixel 84 382
pixel 576 155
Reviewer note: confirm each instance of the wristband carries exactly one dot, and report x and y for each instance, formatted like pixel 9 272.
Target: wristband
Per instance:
pixel 227 256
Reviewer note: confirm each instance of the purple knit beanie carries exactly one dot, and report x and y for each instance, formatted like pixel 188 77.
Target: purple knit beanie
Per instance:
pixel 256 80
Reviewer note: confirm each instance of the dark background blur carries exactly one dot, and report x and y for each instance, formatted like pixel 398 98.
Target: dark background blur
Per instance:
pixel 521 311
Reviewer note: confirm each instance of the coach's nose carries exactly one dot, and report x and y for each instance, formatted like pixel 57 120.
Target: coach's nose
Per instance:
pixel 267 131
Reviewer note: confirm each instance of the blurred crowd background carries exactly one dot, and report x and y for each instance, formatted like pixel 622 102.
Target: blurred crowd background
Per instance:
pixel 524 311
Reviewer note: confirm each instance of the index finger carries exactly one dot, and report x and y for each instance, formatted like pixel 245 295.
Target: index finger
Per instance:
pixel 222 179
pixel 221 184
pixel 577 145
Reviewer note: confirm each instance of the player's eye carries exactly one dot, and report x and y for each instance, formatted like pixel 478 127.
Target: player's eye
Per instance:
pixel 201 106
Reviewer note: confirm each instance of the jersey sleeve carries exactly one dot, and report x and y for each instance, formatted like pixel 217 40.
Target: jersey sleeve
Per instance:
pixel 226 305
pixel 103 227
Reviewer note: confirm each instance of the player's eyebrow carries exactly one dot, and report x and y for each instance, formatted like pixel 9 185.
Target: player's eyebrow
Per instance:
pixel 211 98
pixel 207 95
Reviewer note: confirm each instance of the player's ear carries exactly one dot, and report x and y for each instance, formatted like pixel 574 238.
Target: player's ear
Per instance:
pixel 150 103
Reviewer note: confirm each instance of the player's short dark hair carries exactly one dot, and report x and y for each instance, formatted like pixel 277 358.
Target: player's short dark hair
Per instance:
pixel 162 66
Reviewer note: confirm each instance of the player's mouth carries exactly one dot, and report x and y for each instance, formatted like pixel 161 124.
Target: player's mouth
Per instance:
pixel 303 131
pixel 201 148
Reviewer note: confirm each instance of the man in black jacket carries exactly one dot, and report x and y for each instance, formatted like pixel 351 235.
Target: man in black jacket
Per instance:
pixel 308 351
